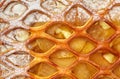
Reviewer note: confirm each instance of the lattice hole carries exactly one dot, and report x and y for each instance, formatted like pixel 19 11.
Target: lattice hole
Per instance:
pixel 15 9
pixel 36 18
pixel 43 69
pixel 63 58
pixel 82 45
pixel 40 45
pixel 20 58
pixel 19 35
pixel 101 31
pixel 103 58
pixel 5 48
pixel 60 31
pixel 77 16
pixel 84 70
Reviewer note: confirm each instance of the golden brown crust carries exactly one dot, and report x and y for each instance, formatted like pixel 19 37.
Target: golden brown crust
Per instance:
pixel 59 39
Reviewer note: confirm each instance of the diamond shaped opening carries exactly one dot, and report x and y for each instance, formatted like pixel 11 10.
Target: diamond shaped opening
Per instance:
pixel 103 58
pixel 114 15
pixel 15 9
pixel 20 58
pixel 115 44
pixel 104 77
pixel 84 70
pixel 5 70
pixel 77 16
pixel 116 70
pixel 21 77
pixel 63 58
pixel 62 77
pixel 5 48
pixel 40 45
pixel 101 31
pixel 82 45
pixel 19 35
pixel 36 18
pixel 43 69
pixel 59 30
pixel 54 6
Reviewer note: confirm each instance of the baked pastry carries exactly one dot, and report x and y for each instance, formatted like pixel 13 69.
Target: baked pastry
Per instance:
pixel 59 39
